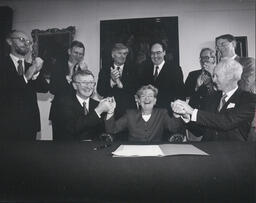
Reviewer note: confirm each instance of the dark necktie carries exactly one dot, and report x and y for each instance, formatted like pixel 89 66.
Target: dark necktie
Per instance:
pixel 156 72
pixel 118 68
pixel 76 68
pixel 222 102
pixel 20 67
pixel 85 109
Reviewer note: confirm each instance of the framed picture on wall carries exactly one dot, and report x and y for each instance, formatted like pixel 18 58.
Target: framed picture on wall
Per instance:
pixel 241 46
pixel 51 45
pixel 138 34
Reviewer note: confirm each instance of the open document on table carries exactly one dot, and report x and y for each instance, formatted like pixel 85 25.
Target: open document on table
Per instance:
pixel 157 150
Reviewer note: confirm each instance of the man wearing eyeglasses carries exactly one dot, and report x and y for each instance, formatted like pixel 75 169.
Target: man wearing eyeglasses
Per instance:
pixel 164 75
pixel 19 83
pixel 78 116
pixel 199 82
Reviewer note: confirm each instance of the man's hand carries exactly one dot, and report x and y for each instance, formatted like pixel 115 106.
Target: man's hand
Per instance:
pixel 115 76
pixel 106 105
pixel 208 66
pixel 34 68
pixel 181 107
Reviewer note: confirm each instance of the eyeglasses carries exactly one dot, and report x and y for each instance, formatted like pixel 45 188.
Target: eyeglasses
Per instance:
pixel 156 53
pixel 223 44
pixel 85 83
pixel 148 96
pixel 23 40
pixel 207 57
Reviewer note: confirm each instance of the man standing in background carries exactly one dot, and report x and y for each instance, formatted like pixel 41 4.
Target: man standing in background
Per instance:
pixel 118 79
pixel 165 76
pixel 19 83
pixel 226 45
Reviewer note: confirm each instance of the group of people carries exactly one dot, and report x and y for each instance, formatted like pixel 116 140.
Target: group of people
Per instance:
pixel 148 105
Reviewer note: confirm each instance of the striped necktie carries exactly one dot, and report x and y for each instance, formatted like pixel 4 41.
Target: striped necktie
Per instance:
pixel 20 68
pixel 222 102
pixel 85 108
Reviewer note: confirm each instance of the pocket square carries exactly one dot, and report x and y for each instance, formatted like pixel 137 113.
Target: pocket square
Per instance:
pixel 231 105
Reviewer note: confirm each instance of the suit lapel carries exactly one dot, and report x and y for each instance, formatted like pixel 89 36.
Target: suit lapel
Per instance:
pixel 232 99
pixel 92 104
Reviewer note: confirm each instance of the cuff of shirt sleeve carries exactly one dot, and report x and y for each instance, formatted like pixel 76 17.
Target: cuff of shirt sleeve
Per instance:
pixel 34 77
pixel 194 115
pixel 97 113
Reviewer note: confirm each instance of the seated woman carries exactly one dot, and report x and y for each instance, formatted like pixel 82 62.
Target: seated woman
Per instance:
pixel 145 124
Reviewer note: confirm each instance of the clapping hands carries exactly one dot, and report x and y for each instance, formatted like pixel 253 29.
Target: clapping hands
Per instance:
pixel 34 68
pixel 115 76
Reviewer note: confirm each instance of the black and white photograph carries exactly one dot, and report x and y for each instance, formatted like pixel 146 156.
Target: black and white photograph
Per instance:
pixel 117 101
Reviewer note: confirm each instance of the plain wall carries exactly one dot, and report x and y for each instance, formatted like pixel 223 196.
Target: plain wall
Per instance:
pixel 200 21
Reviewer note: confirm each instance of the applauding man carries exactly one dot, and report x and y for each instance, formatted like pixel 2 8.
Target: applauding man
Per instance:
pixel 228 113
pixel 19 83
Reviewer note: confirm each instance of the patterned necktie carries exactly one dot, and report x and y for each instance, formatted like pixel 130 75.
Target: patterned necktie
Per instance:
pixel 85 109
pixel 20 67
pixel 222 102
pixel 156 72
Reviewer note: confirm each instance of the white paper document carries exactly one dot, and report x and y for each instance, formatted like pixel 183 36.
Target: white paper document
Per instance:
pixel 156 150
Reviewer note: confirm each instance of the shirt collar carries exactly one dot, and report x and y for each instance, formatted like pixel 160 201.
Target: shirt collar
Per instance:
pixel 121 67
pixel 81 101
pixel 15 60
pixel 233 57
pixel 230 93
pixel 160 66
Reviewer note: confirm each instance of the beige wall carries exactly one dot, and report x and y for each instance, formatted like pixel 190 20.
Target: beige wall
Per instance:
pixel 200 21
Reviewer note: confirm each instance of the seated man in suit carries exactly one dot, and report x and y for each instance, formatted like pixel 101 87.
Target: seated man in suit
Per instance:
pixel 226 47
pixel 145 124
pixel 199 82
pixel 78 116
pixel 19 83
pixel 228 113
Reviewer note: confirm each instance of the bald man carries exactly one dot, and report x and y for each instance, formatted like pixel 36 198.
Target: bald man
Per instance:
pixel 20 81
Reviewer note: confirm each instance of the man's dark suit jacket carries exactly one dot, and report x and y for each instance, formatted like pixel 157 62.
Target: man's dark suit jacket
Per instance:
pixel 58 83
pixel 231 123
pixel 196 97
pixel 124 97
pixel 70 121
pixel 247 82
pixel 169 83
pixel 142 131
pixel 19 112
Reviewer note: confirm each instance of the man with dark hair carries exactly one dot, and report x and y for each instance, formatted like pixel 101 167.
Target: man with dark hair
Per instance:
pixel 165 76
pixel 62 73
pixel 78 116
pixel 118 79
pixel 19 83
pixel 226 45
pixel 228 113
